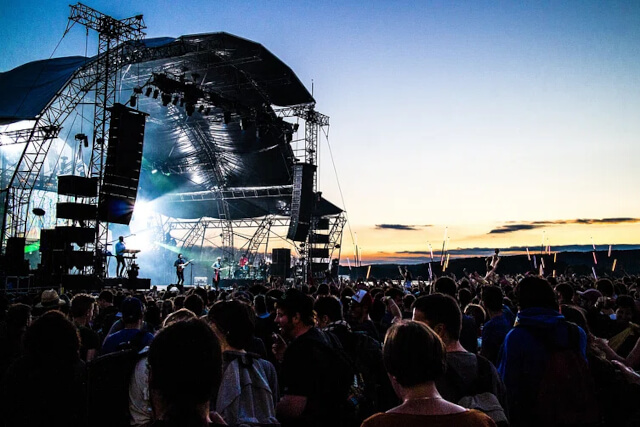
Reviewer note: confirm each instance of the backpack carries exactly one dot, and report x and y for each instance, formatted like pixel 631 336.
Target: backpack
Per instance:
pixel 567 393
pixel 355 403
pixel 108 378
pixel 480 396
pixel 245 396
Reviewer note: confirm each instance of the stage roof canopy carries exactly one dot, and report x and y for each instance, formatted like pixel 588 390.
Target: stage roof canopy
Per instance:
pixel 217 130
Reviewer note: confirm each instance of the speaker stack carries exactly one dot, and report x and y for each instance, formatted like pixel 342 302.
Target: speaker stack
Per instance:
pixel 122 170
pixel 302 202
pixel 281 262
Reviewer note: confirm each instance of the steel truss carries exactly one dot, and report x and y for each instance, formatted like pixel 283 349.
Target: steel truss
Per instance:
pixel 38 140
pixel 258 237
pixel 118 47
pixel 210 151
pixel 233 194
pixel 112 35
pixel 313 123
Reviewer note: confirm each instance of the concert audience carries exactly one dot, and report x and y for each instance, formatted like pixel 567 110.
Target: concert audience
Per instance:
pixel 415 358
pixel 249 389
pixel 131 310
pixel 82 306
pixel 45 386
pixel 180 395
pixel 467 374
pixel 315 358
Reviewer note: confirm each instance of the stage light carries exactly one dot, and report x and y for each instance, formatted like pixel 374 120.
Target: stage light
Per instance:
pixel 38 211
pixel 137 90
pixel 166 99
pixel 147 93
pixel 154 171
pixel 156 93
pixel 132 100
pixel 83 139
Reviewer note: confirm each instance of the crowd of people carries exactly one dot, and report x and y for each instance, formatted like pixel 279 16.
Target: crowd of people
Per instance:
pixel 471 351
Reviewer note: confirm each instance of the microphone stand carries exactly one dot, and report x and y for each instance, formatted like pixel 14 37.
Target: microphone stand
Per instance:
pixel 191 271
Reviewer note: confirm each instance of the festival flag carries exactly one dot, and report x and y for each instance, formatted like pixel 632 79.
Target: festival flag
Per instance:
pixel 613 268
pixel 609 255
pixel 349 262
pixel 368 271
pixel 595 260
pixel 535 264
pixel 528 255
pixel 595 276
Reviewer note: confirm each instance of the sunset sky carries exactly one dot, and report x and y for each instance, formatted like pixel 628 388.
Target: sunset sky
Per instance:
pixel 510 123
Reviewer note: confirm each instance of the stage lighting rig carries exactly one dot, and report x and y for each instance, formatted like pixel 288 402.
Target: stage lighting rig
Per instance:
pixel 83 139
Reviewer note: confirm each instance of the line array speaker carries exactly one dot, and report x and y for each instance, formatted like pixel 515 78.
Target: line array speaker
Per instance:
pixel 122 170
pixel 302 202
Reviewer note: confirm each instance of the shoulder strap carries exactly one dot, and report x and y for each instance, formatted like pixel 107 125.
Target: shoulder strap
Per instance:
pixel 136 341
pixel 574 336
pixel 484 381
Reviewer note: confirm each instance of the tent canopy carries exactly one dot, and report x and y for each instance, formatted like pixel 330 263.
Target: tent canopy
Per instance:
pixel 211 126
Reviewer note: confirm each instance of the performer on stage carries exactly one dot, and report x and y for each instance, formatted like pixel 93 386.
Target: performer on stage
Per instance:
pixel 120 250
pixel 180 264
pixel 217 266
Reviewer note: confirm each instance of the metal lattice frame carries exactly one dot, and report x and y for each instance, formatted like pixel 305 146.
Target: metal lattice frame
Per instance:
pixel 335 235
pixel 313 123
pixel 201 142
pixel 195 236
pixel 112 34
pixel 38 142
pixel 258 237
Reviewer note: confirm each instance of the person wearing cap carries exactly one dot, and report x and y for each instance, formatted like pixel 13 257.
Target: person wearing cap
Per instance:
pixel 310 373
pixel 359 319
pixel 132 311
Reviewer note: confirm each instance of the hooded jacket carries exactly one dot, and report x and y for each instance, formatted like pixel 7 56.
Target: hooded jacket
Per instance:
pixel 525 354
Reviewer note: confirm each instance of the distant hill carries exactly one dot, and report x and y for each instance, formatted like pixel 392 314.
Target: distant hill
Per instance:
pixel 581 263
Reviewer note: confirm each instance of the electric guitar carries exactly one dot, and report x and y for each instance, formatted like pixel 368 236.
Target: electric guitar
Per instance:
pixel 180 267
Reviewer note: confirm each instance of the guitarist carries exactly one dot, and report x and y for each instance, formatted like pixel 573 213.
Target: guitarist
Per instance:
pixel 217 267
pixel 180 264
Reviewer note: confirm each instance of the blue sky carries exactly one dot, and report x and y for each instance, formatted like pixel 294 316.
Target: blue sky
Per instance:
pixel 466 115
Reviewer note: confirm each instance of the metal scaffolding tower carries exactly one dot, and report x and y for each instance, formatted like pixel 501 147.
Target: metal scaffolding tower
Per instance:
pixel 112 35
